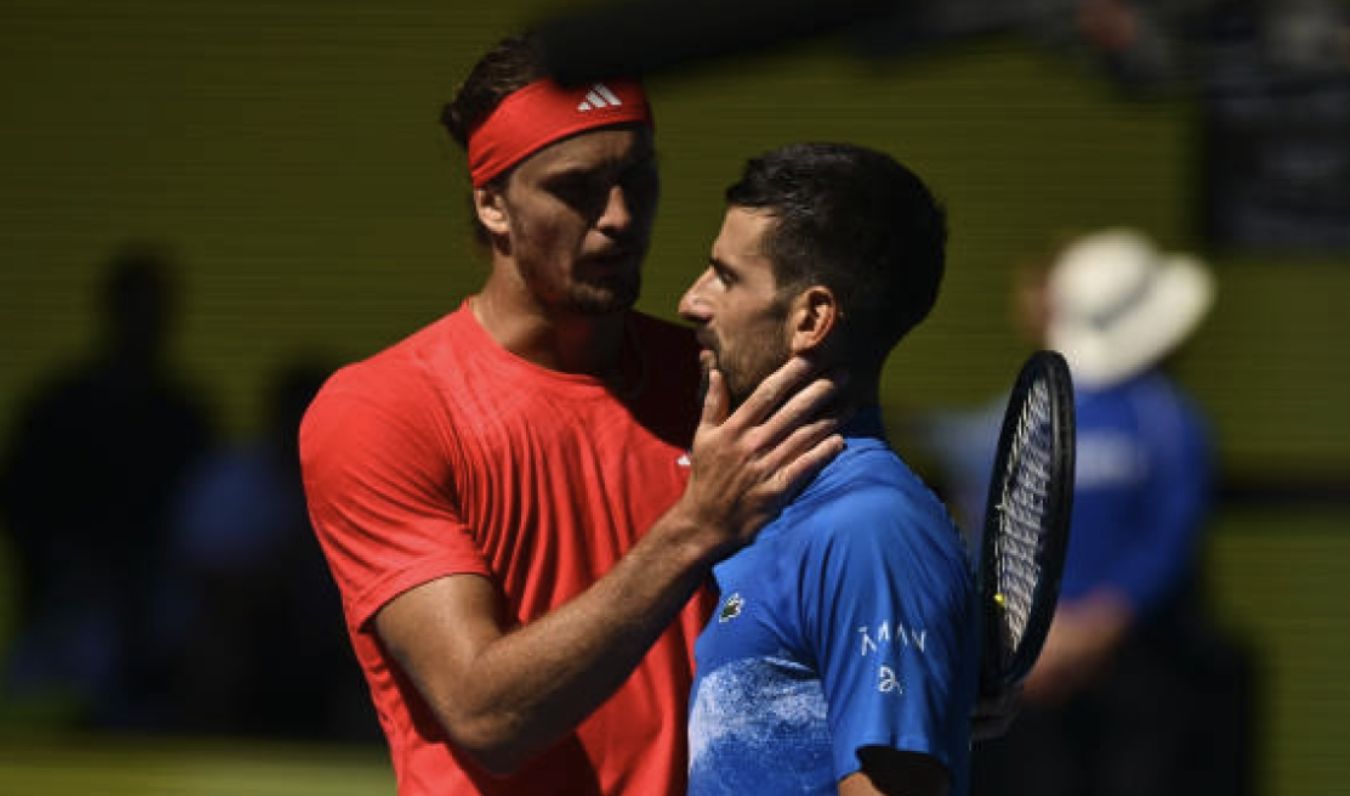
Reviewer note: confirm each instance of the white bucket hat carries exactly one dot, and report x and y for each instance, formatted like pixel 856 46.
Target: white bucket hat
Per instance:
pixel 1118 305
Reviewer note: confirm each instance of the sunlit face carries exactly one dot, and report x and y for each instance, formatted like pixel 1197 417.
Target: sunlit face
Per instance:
pixel 740 314
pixel 580 214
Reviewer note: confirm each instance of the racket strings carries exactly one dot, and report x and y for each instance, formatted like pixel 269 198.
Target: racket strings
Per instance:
pixel 1022 509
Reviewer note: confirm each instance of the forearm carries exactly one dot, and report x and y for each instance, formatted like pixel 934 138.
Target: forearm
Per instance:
pixel 508 695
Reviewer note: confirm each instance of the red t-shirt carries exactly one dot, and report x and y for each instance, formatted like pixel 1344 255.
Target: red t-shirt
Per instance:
pixel 447 454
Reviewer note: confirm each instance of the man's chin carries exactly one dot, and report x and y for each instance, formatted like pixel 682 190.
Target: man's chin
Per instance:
pixel 736 392
pixel 605 299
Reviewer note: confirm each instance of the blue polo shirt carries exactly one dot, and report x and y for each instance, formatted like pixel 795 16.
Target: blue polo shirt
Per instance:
pixel 850 621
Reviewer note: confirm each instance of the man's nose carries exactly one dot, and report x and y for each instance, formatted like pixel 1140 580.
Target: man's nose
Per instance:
pixel 693 306
pixel 617 214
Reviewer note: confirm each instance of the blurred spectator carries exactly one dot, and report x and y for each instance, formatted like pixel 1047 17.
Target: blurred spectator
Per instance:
pixel 96 455
pixel 260 648
pixel 1136 691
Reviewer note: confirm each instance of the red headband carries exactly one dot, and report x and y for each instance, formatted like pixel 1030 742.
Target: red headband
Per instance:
pixel 543 112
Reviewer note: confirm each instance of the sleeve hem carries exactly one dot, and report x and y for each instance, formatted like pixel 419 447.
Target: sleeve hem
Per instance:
pixel 363 607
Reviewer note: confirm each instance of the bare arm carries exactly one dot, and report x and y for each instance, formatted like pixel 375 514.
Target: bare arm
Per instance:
pixel 895 773
pixel 504 694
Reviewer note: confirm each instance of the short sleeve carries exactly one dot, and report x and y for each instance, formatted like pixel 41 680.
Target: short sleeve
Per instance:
pixel 377 481
pixel 890 620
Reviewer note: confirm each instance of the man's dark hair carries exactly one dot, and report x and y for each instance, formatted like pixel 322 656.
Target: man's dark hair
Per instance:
pixel 512 64
pixel 856 221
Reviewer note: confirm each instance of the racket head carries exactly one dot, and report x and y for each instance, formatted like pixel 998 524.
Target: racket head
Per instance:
pixel 1027 512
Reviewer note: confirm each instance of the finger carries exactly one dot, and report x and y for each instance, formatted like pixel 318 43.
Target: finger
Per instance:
pixel 798 442
pixel 771 392
pixel 806 405
pixel 716 400
pixel 797 473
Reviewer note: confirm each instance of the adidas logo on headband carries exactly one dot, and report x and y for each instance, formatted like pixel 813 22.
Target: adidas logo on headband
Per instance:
pixel 599 97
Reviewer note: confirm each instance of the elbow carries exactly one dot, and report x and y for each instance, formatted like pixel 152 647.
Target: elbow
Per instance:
pixel 494 743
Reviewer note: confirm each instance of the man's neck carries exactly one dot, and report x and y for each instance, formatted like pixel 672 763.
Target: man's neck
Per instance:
pixel 863 387
pixel 569 342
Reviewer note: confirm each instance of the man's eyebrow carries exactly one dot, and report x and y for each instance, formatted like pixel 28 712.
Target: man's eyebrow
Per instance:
pixel 719 264
pixel 570 170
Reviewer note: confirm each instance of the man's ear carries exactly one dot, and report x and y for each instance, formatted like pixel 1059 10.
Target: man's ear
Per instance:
pixel 490 206
pixel 814 315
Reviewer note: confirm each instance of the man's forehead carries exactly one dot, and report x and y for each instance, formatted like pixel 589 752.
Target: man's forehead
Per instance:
pixel 593 149
pixel 744 230
pixel 741 242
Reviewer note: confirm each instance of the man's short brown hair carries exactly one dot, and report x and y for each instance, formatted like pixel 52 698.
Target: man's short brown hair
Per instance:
pixel 515 62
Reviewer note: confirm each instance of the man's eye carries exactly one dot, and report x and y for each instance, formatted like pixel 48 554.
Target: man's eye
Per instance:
pixel 639 177
pixel 579 192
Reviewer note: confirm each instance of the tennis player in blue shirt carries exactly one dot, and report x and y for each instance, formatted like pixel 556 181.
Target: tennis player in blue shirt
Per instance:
pixel 842 655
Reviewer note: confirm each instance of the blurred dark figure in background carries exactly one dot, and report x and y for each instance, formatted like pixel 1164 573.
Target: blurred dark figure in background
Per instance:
pixel 259 647
pixel 97 454
pixel 1136 691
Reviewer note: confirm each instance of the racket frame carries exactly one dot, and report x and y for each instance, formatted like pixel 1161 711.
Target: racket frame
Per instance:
pixel 1002 669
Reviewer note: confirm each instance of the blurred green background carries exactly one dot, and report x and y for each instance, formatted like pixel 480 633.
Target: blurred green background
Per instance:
pixel 289 155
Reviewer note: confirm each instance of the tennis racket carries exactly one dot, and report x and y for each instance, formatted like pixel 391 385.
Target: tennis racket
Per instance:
pixel 1026 530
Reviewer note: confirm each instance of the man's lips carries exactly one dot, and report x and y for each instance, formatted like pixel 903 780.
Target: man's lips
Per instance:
pixel 707 353
pixel 615 258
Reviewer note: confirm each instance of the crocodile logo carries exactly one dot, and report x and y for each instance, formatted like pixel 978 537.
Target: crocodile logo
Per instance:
pixel 731 608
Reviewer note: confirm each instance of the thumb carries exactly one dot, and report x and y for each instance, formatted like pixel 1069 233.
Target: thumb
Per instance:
pixel 716 401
